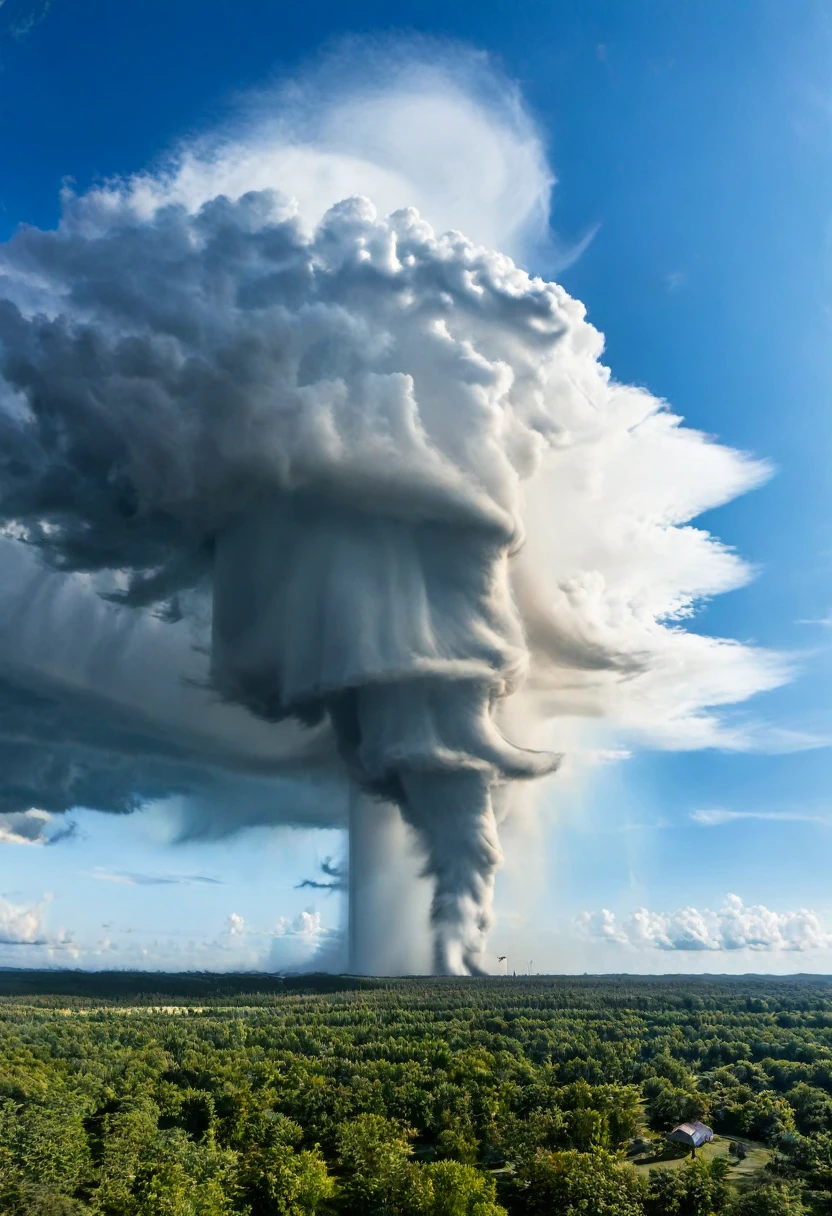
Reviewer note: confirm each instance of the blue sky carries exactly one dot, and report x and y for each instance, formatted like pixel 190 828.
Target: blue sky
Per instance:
pixel 695 144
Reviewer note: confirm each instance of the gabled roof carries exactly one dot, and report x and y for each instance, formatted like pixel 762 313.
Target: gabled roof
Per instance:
pixel 694 1133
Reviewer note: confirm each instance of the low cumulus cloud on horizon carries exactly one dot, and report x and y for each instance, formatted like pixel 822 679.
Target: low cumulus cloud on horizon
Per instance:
pixel 296 943
pixel 734 926
pixel 24 925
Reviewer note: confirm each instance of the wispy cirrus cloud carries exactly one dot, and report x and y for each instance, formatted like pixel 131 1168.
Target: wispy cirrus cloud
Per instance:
pixel 131 878
pixel 711 817
pixel 18 17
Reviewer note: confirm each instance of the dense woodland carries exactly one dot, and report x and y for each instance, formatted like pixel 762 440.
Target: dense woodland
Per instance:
pixel 129 1095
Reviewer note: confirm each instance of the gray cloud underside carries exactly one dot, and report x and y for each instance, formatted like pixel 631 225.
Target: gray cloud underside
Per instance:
pixel 99 709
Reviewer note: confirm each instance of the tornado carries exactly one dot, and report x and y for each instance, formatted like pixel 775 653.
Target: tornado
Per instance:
pixel 388 929
pixel 377 478
pixel 403 633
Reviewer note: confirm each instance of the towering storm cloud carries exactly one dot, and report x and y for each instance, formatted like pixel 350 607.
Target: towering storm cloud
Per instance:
pixel 377 466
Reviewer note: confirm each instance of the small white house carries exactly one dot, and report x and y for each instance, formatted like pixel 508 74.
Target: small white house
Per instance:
pixel 694 1135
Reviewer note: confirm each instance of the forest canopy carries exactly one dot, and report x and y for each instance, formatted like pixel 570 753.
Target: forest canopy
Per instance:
pixel 141 1095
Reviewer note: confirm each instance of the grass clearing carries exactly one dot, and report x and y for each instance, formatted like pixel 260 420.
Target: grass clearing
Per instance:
pixel 756 1158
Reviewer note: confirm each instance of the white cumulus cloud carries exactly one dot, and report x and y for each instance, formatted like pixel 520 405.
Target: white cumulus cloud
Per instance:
pixel 306 924
pixel 734 926
pixel 22 924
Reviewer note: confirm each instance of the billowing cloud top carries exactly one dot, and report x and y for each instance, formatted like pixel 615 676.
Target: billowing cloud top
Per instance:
pixel 188 365
pixel 406 123
pixel 382 460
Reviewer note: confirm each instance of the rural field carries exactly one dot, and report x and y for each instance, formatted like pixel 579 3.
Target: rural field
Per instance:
pixel 132 1094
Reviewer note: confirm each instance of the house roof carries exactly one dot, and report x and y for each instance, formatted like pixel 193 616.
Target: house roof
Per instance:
pixel 694 1133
